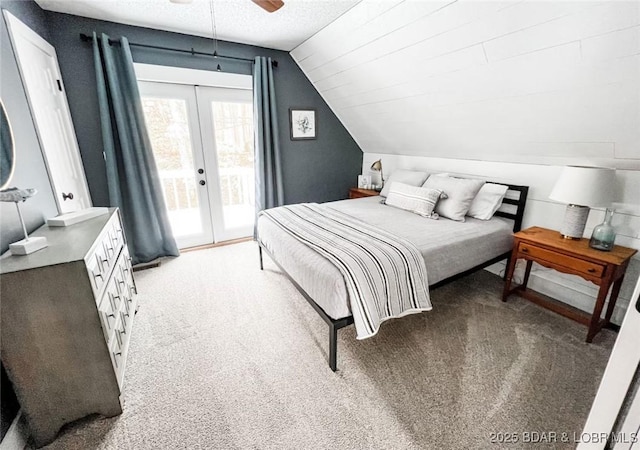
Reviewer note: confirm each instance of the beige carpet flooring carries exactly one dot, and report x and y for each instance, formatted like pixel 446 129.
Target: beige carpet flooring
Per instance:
pixel 224 356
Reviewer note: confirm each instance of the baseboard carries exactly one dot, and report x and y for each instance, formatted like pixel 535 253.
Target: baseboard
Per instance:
pixel 217 244
pixel 17 434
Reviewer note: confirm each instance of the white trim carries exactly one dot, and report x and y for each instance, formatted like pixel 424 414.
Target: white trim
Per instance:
pixel 630 429
pixel 17 434
pixel 614 386
pixel 193 77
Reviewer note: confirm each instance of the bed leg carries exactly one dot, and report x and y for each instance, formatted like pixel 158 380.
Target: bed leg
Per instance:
pixel 260 250
pixel 333 347
pixel 506 267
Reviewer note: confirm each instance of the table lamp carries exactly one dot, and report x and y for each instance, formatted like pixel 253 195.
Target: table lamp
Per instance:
pixel 582 187
pixel 377 167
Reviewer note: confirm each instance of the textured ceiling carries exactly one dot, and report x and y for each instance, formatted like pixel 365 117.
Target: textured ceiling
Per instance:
pixel 236 20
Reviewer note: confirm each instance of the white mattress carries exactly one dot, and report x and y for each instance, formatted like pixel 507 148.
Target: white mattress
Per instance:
pixel 448 248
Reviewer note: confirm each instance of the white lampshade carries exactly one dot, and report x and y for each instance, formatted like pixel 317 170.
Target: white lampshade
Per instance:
pixel 585 186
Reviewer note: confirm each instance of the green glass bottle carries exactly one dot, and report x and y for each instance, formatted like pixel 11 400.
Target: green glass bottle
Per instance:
pixel 604 235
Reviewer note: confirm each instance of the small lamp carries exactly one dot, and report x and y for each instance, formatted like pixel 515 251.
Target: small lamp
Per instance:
pixel 582 187
pixel 28 244
pixel 377 167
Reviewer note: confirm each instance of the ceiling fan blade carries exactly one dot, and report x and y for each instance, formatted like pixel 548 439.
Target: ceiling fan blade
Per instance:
pixel 269 5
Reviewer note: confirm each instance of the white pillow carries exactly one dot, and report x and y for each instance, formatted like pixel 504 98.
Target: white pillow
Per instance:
pixel 488 201
pixel 460 194
pixel 419 200
pixel 410 177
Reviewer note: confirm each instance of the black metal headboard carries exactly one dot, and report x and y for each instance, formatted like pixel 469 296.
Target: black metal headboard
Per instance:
pixel 520 203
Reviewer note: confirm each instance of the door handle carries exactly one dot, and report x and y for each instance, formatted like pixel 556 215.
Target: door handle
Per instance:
pixel 202 182
pixel 200 171
pixel 68 196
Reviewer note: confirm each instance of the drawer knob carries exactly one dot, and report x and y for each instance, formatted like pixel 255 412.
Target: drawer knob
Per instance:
pixel 96 275
pixel 592 270
pixel 525 250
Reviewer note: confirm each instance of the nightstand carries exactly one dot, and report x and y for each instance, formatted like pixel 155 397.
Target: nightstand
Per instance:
pixel 575 257
pixel 359 193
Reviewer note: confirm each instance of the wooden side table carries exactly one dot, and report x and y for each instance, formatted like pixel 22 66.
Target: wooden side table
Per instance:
pixel 575 257
pixel 359 193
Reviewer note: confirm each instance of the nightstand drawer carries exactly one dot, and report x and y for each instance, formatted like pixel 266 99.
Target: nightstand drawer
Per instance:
pixel 576 264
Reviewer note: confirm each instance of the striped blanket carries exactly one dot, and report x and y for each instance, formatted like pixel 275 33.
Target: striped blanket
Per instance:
pixel 385 275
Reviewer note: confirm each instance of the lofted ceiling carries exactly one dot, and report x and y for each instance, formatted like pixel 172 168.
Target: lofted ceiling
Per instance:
pixel 236 20
pixel 521 81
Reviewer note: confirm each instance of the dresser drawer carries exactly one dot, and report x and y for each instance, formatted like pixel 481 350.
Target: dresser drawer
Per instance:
pixel 557 259
pixel 108 310
pixel 103 255
pixel 119 344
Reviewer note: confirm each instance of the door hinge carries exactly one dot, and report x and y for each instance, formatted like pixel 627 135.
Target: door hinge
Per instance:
pixel 59 85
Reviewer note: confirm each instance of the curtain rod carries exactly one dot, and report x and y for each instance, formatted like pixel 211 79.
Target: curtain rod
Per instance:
pixel 87 38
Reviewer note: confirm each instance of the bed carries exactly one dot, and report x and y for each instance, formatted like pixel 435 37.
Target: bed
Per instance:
pixel 450 250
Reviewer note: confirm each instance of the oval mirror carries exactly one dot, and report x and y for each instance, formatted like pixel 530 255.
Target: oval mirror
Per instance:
pixel 7 151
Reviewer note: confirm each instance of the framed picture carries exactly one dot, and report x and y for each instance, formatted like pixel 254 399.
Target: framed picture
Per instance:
pixel 302 122
pixel 364 181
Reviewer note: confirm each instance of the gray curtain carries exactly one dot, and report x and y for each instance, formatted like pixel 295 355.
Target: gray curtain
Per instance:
pixel 268 166
pixel 132 176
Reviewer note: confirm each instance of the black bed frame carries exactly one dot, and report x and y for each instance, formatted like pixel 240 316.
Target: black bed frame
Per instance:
pixel 336 324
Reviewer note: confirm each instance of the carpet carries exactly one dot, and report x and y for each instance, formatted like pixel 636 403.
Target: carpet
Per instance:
pixel 226 356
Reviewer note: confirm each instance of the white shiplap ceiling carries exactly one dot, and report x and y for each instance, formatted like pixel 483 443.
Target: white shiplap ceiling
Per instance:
pixel 236 20
pixel 517 81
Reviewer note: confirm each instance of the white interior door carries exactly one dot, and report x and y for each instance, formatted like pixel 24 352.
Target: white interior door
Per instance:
pixel 615 385
pixel 38 64
pixel 226 118
pixel 171 115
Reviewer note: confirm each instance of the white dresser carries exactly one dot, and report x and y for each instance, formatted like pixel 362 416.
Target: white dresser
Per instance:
pixel 67 316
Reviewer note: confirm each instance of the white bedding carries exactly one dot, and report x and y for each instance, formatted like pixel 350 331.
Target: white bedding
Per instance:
pixel 448 247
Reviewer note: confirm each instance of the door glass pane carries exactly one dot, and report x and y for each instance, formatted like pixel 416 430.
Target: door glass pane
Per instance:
pixel 233 125
pixel 168 125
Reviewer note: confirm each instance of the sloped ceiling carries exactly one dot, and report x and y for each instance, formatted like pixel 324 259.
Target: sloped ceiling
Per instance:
pixel 526 81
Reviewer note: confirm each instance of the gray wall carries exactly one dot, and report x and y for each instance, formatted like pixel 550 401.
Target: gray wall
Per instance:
pixel 30 168
pixel 319 170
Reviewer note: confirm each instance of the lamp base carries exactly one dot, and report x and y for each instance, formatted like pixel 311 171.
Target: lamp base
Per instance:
pixel 27 246
pixel 575 219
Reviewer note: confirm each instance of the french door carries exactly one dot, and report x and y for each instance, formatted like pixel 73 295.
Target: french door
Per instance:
pixel 202 139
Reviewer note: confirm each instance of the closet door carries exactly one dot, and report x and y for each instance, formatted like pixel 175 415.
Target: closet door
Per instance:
pixel 38 64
